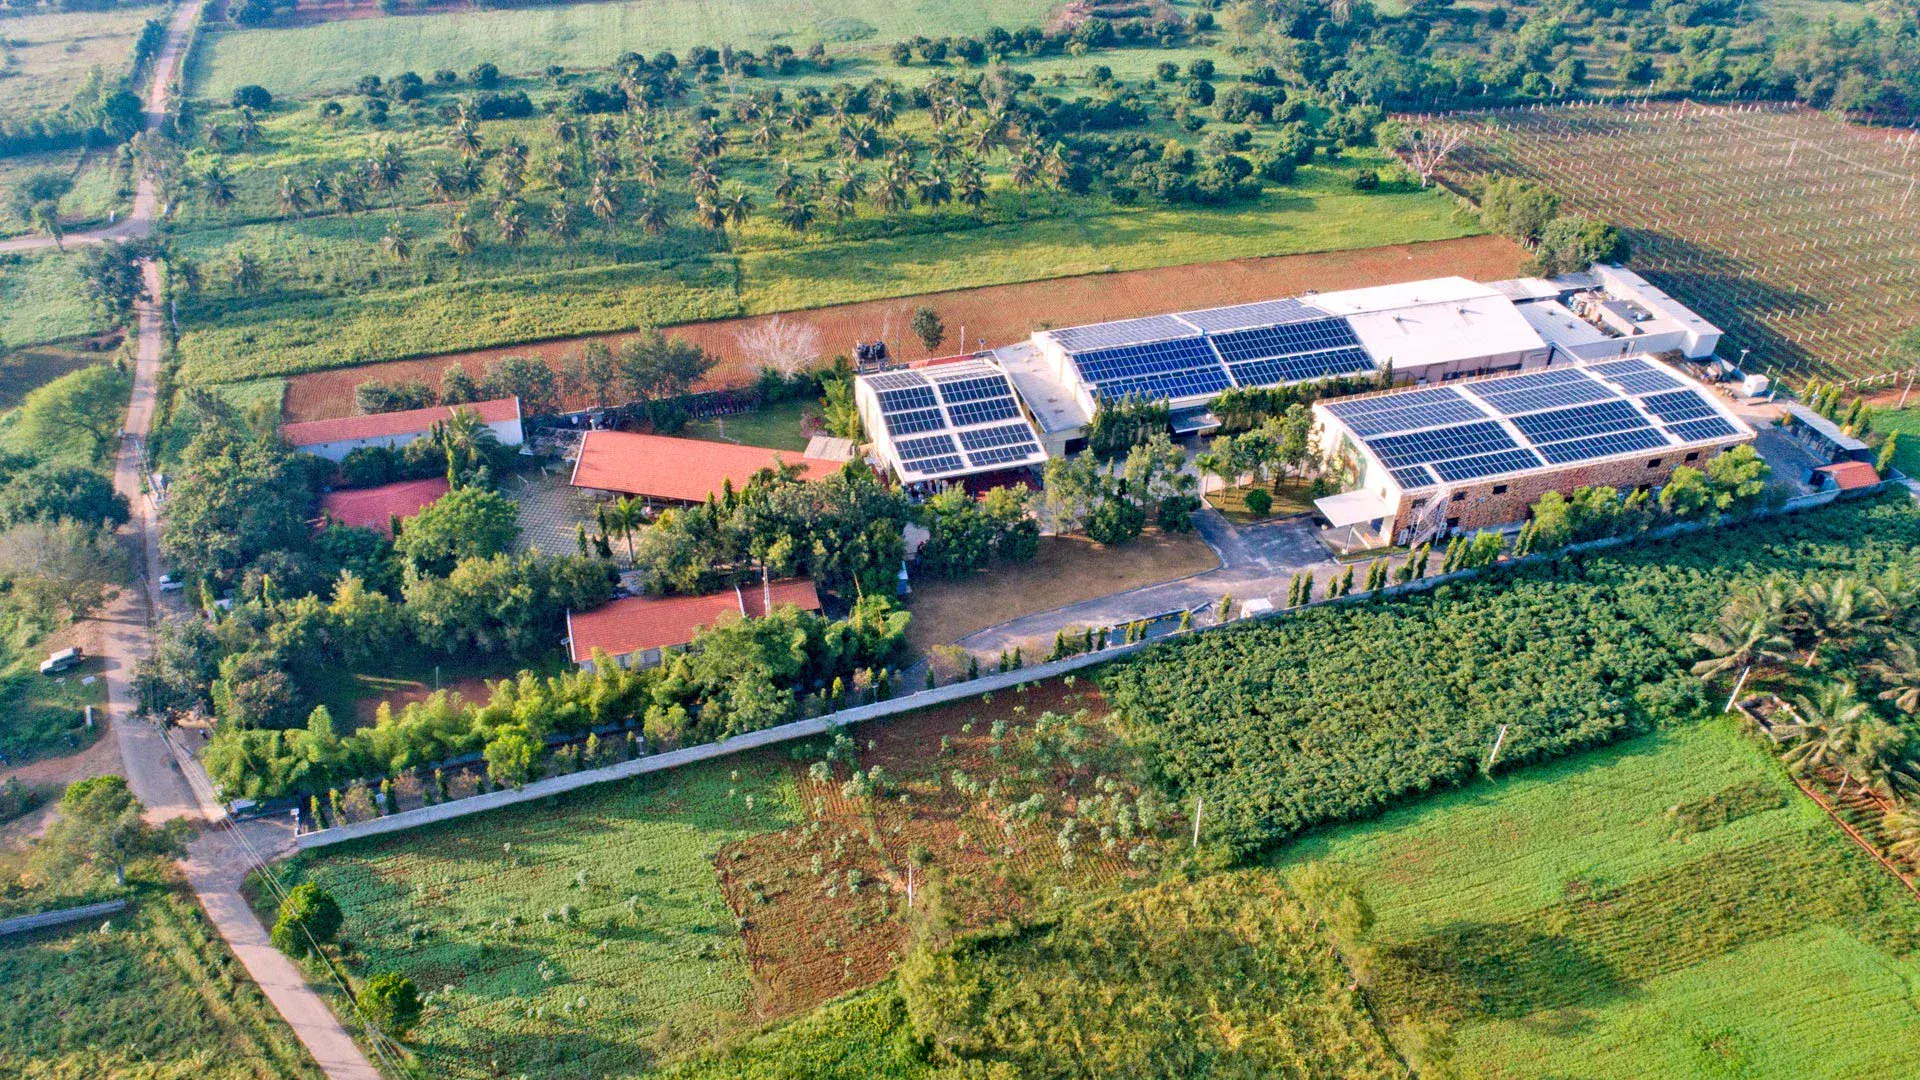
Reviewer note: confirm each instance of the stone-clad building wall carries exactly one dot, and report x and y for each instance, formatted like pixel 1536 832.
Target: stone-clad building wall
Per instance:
pixel 1505 500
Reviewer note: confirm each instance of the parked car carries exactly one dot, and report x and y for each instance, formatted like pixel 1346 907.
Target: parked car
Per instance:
pixel 61 661
pixel 168 584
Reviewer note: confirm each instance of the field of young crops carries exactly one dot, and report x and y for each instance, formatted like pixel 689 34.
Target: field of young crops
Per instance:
pixel 1582 919
pixel 150 993
pixel 1335 713
pixel 42 299
pixel 579 939
pixel 1796 233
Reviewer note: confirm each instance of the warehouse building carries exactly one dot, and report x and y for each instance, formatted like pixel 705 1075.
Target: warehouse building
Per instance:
pixel 947 421
pixel 1475 454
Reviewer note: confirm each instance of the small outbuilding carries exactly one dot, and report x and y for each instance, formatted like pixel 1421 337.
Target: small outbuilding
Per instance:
pixel 667 469
pixel 377 508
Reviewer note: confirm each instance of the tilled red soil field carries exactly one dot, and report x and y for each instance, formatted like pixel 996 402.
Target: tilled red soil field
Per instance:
pixel 995 314
pixel 823 905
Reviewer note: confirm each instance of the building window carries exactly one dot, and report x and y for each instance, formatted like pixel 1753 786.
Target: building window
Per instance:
pixel 1453 523
pixel 1459 496
pixel 1693 455
pixel 1499 489
pixel 1653 463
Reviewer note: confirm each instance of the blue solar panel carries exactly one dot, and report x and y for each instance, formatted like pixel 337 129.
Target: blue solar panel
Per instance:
pixel 987 386
pixel 1532 380
pixel 1108 335
pixel 1679 405
pixel 912 397
pixel 1621 367
pixel 1411 477
pixel 1429 413
pixel 1004 435
pixel 924 447
pixel 1647 383
pixel 1523 399
pixel 1711 428
pixel 1401 400
pixel 1273 341
pixel 1486 465
pixel 1261 313
pixel 1102 365
pixel 1286 369
pixel 896 380
pixel 1179 384
pixel 1579 421
pixel 980 412
pixel 1599 446
pixel 907 423
pixel 1001 455
pixel 934 466
pixel 1463 440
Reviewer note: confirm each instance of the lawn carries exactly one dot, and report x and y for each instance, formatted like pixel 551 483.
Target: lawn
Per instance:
pixel 580 938
pixel 151 994
pixel 42 716
pixel 1568 923
pixel 42 299
pixel 776 426
pixel 1067 570
pixel 1906 423
pixel 303 61
pixel 50 57
pixel 1291 499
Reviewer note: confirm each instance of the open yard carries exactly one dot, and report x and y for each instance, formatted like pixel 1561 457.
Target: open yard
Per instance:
pixel 777 426
pixel 151 993
pixel 301 61
pixel 42 300
pixel 98 188
pixel 1291 498
pixel 1791 230
pixel 48 58
pixel 1639 911
pixel 994 314
pixel 1067 570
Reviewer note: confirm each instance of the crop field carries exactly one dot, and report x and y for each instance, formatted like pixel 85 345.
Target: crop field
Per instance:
pixel 46 59
pixel 1670 906
pixel 301 61
pixel 21 370
pixel 622 926
pixel 42 300
pixel 1796 233
pixel 97 188
pixel 151 993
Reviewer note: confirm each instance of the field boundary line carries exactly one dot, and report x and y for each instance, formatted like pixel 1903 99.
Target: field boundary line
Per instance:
pixel 21 924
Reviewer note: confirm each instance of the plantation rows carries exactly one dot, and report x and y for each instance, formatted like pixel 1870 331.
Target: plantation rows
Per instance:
pixel 1335 712
pixel 1797 234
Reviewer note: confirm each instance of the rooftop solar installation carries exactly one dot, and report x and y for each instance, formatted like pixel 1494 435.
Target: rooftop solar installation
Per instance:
pixel 930 414
pixel 1285 369
pixel 1487 427
pixel 1124 332
pixel 1289 340
pixel 1260 313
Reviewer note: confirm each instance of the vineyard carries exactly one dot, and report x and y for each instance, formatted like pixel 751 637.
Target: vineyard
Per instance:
pixel 1338 711
pixel 1795 233
pixel 1666 907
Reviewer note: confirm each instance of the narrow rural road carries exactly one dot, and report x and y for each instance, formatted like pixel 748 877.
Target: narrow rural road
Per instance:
pixel 146 197
pixel 168 781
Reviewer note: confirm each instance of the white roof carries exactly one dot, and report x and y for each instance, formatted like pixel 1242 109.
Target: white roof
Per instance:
pixel 1055 405
pixel 1622 282
pixel 1355 507
pixel 1557 323
pixel 1461 328
pixel 1399 295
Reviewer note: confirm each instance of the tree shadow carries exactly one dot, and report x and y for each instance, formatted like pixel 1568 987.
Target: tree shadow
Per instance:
pixel 1467 971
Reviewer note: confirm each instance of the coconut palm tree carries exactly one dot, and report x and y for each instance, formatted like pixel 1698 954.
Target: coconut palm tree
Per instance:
pixel 624 515
pixel 605 132
pixel 1025 169
pixel 788 185
pixel 738 204
pixel 797 214
pixel 646 168
pixel 766 135
pixel 709 212
pixel 703 181
pixel 398 242
pixel 462 237
pixel 246 273
pixel 464 138
pixel 292 199
pixel 1826 615
pixel 248 128
pixel 1878 760
pixel 602 202
pixel 321 189
pixel 462 437
pixel 1825 729
pixel 606 159
pixel 935 189
pixel 387 166
pixel 1743 637
pixel 510 219
pixel 1902 829
pixel 859 139
pixel 466 177
pixel 441 183
pixel 215 187
pixel 564 127
pixel 349 197
pixel 650 216
pixel 563 221
pixel 890 191
pixel 707 141
pixel 1899 671
pixel 969 186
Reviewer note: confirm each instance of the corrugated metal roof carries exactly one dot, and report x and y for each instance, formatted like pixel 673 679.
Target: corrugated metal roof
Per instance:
pixel 638 623
pixel 380 425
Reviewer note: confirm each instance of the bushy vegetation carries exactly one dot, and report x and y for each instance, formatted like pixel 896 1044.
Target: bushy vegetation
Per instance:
pixel 1337 712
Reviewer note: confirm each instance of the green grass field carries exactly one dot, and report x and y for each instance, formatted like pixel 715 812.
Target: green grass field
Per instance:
pixel 1569 925
pixel 1906 423
pixel 302 61
pixel 578 939
pixel 150 994
pixel 49 58
pixel 41 300
pixel 96 192
pixel 22 370
pixel 776 426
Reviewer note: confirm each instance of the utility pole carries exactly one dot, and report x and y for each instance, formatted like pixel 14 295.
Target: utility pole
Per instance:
pixel 1196 822
pixel 1498 740
pixel 1738 683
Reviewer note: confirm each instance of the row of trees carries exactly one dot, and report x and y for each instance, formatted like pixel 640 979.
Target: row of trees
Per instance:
pixel 1734 482
pixel 1113 501
pixel 1529 214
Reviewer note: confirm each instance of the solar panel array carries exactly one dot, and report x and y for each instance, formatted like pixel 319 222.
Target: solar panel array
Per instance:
pixel 1200 353
pixel 1560 416
pixel 953 419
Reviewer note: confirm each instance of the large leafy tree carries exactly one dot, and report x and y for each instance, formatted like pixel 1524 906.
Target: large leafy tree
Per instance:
pixel 102 827
pixel 232 499
pixel 79 412
pixel 466 523
pixel 51 492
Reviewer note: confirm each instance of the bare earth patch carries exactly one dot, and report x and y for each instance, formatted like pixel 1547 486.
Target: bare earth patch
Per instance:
pixel 1067 570
pixel 993 316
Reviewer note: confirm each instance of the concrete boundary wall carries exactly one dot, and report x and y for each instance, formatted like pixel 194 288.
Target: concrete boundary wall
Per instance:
pixel 986 684
pixel 23 924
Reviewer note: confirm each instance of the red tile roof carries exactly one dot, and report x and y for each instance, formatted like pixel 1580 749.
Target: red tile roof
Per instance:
pixel 407 422
pixel 375 508
pixel 1851 475
pixel 637 623
pixel 683 470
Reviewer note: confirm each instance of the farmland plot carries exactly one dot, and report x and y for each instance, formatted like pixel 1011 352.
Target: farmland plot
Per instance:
pixel 1796 233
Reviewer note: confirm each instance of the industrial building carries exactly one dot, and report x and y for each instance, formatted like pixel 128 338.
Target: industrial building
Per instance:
pixel 945 421
pixel 1474 454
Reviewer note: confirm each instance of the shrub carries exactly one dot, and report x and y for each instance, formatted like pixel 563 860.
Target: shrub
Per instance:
pixel 390 1002
pixel 252 97
pixel 309 916
pixel 1259 502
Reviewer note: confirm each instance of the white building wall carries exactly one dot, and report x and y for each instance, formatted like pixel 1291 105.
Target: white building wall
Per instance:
pixel 509 432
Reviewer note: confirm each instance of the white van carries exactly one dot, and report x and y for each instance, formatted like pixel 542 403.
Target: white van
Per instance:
pixel 61 661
